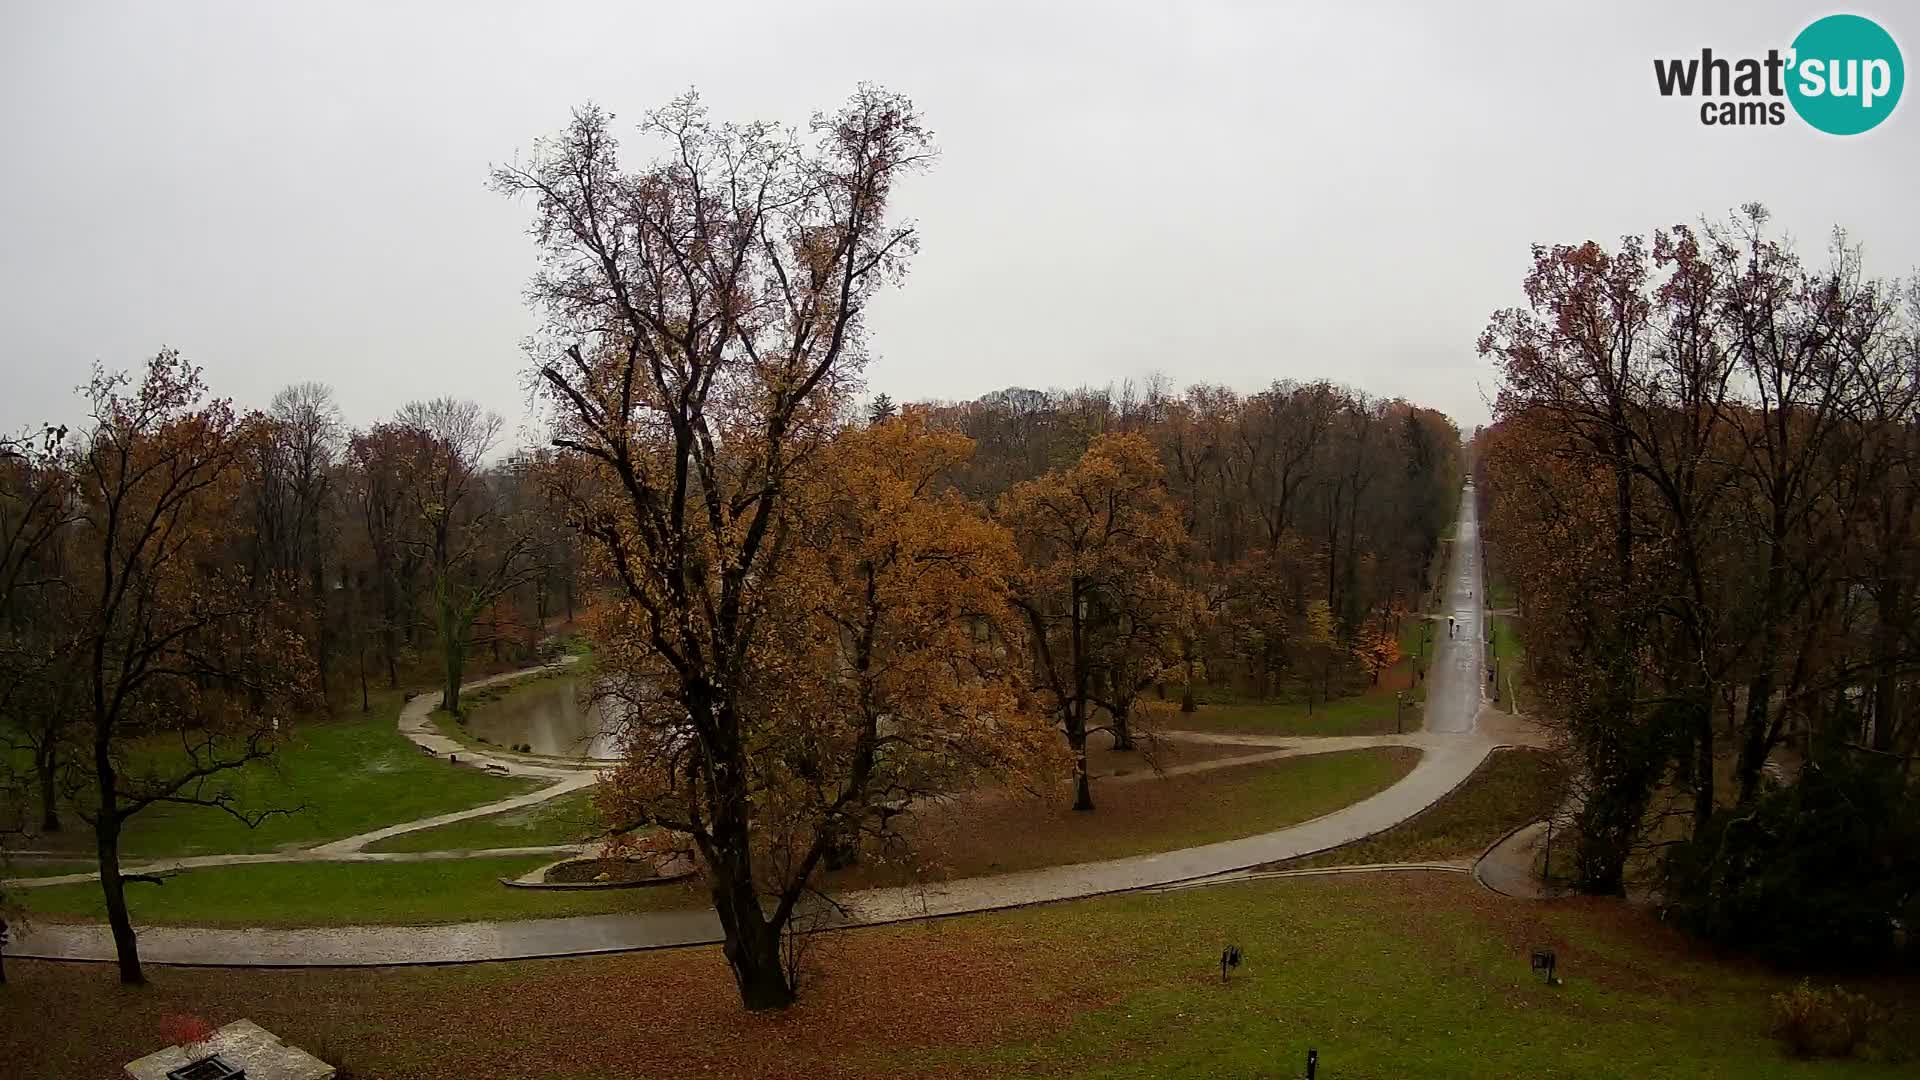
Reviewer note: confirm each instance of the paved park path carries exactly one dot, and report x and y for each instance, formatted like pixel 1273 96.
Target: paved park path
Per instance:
pixel 1452 746
pixel 416 723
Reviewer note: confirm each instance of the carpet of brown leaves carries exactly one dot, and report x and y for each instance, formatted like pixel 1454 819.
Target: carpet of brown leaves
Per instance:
pixel 881 1002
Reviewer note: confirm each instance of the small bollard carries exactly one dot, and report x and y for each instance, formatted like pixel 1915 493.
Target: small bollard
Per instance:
pixel 1544 962
pixel 1313 1062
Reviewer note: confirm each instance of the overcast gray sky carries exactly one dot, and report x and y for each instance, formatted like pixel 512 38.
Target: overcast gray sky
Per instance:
pixel 1222 191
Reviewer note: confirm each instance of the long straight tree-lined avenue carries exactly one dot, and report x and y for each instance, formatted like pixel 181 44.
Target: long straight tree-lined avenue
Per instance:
pixel 596 543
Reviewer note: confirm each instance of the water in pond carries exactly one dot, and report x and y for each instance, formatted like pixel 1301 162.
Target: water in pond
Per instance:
pixel 550 717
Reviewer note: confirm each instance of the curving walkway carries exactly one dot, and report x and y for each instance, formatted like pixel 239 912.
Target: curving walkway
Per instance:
pixel 1446 763
pixel 1453 745
pixel 416 723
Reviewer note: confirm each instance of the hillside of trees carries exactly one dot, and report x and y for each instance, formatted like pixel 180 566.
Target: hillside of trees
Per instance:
pixel 809 610
pixel 1701 485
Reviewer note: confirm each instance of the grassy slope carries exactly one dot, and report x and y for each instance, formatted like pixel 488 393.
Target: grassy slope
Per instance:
pixel 1397 977
pixel 1512 787
pixel 1512 660
pixel 341 777
pixel 1388 976
pixel 994 836
pixel 1160 814
pixel 560 820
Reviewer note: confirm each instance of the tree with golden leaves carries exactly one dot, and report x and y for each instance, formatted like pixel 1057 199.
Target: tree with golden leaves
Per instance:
pixel 1101 539
pixel 174 646
pixel 707 319
pixel 893 647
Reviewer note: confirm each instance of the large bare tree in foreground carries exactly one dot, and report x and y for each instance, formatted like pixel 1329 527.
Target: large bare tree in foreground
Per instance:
pixel 706 313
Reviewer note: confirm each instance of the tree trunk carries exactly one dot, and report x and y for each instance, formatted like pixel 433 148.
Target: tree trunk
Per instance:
pixel 1886 687
pixel 752 942
pixel 1187 703
pixel 843 850
pixel 125 945
pixel 46 763
pixel 1754 742
pixel 450 697
pixel 390 616
pixel 1122 711
pixel 1082 787
pixel 453 648
pixel 1753 733
pixel 1703 795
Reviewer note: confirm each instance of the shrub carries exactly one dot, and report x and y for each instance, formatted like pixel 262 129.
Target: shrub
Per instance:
pixel 1823 1023
pixel 1814 875
pixel 182 1029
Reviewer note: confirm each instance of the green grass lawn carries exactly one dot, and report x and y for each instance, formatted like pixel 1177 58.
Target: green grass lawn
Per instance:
pixel 560 820
pixel 1511 788
pixel 340 894
pixel 1512 659
pixel 1499 593
pixel 1371 713
pixel 1388 976
pixel 994 836
pixel 1391 977
pixel 340 777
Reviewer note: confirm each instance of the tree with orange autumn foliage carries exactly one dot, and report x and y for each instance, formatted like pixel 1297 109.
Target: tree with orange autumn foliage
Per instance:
pixel 1101 539
pixel 892 653
pixel 1377 649
pixel 707 314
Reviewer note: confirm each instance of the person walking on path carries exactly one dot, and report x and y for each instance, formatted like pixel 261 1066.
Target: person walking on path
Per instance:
pixel 1449 626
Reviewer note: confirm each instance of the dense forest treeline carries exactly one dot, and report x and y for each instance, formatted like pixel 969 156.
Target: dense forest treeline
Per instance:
pixel 1300 521
pixel 1289 496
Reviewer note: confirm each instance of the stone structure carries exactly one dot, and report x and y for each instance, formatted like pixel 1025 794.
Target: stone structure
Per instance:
pixel 242 1043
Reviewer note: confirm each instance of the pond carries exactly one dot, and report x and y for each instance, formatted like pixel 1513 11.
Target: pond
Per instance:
pixel 551 717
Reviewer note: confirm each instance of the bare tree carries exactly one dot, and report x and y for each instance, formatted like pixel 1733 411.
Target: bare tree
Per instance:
pixel 37 690
pixel 176 648
pixel 476 551
pixel 710 309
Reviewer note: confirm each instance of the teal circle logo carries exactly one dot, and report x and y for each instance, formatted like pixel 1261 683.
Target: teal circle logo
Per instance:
pixel 1846 75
